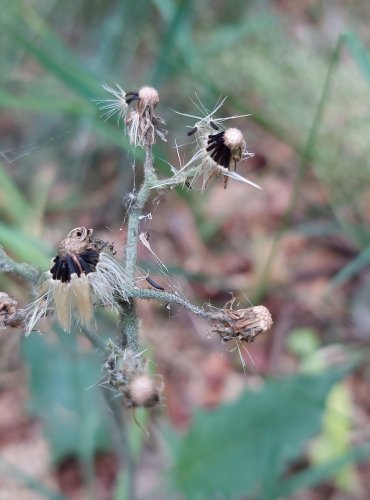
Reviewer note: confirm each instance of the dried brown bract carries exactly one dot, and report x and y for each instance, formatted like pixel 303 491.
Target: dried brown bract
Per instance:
pixel 8 312
pixel 242 324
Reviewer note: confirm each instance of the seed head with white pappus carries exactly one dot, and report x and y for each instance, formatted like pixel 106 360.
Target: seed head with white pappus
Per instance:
pixel 217 151
pixel 84 274
pixel 142 124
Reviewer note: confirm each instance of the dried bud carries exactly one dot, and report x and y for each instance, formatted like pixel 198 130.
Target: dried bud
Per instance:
pixel 242 324
pixel 143 391
pixel 8 310
pixel 127 372
pixel 84 274
pixel 142 124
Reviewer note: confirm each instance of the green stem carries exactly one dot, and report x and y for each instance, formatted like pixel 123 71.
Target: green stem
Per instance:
pixel 306 157
pixel 170 298
pixel 119 425
pixel 8 265
pixel 134 218
pixel 210 314
pixel 128 319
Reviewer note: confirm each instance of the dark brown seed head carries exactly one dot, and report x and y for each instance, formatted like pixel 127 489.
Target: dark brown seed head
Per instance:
pixel 78 254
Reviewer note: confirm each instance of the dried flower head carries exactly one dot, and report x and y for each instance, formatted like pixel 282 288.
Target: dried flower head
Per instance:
pixel 8 310
pixel 217 151
pixel 128 373
pixel 142 124
pixel 84 274
pixel 242 324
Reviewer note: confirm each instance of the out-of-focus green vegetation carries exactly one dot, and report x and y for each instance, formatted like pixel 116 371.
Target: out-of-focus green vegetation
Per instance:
pixel 308 89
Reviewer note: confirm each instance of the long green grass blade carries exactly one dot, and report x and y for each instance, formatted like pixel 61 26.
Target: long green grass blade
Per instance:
pixel 71 75
pixel 12 202
pixel 24 247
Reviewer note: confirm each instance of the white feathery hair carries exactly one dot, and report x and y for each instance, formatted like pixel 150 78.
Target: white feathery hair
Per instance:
pixel 73 302
pixel 116 106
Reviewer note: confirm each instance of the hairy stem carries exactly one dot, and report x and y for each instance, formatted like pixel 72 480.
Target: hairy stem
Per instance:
pixel 128 319
pixel 7 265
pixel 171 298
pixel 134 217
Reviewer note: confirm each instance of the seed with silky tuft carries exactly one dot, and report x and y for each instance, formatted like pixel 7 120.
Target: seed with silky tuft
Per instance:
pixel 84 274
pixel 141 123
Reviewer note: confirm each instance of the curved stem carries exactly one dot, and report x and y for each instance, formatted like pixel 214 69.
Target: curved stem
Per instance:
pixel 170 298
pixel 8 265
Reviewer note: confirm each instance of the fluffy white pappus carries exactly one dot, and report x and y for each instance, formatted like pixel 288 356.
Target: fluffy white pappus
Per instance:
pixel 116 106
pixel 133 128
pixel 38 309
pixel 108 281
pixel 143 127
pixel 201 165
pixel 74 301
pixel 216 151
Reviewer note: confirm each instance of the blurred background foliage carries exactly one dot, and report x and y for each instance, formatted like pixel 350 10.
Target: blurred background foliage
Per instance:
pixel 302 70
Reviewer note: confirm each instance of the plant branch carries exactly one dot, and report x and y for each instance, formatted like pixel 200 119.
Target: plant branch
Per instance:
pixel 238 324
pixel 171 298
pixel 119 425
pixel 150 179
pixel 8 265
pixel 128 319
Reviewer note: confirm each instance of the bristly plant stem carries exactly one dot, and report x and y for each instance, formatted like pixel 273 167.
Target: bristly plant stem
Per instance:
pixel 8 265
pixel 171 298
pixel 129 320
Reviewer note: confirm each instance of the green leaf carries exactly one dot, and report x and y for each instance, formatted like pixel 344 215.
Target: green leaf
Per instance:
pixel 243 448
pixel 62 397
pixel 335 440
pixel 315 475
